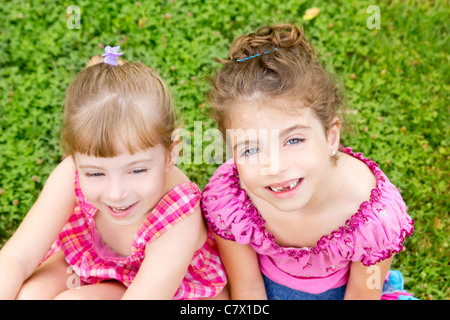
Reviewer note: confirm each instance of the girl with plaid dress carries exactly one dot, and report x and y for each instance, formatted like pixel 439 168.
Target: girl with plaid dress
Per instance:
pixel 127 222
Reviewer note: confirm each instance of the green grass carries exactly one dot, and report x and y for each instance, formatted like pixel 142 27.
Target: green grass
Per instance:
pixel 396 81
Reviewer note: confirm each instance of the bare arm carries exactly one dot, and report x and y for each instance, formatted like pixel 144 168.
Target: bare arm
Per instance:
pixel 366 283
pixel 167 260
pixel 27 247
pixel 242 267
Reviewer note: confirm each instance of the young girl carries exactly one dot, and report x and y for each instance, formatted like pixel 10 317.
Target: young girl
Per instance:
pixel 133 227
pixel 297 216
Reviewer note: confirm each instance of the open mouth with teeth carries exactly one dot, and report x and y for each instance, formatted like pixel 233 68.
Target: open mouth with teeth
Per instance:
pixel 285 186
pixel 121 211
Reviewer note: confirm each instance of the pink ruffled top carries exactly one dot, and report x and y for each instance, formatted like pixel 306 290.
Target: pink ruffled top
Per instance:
pixel 375 232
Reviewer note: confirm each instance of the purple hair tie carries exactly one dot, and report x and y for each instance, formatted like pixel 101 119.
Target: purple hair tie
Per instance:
pixel 111 54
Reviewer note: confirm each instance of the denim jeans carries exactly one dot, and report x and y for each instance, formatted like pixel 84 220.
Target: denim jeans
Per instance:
pixel 276 291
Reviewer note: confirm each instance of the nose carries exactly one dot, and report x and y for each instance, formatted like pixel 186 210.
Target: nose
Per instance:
pixel 274 164
pixel 116 190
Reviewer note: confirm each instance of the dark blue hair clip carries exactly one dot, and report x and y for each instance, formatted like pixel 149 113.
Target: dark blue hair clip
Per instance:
pixel 256 55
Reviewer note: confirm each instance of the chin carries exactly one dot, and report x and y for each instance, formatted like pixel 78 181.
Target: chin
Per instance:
pixel 287 208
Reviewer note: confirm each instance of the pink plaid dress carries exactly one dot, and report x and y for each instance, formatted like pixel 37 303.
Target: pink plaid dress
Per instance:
pixel 94 262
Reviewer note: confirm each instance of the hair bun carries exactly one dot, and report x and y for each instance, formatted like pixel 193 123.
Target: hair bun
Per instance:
pixel 94 60
pixel 98 59
pixel 267 38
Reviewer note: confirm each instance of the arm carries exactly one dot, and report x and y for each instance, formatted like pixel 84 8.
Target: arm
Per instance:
pixel 27 247
pixel 242 266
pixel 366 283
pixel 167 260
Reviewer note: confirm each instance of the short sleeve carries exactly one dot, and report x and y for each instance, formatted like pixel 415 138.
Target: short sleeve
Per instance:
pixel 382 227
pixel 178 204
pixel 227 208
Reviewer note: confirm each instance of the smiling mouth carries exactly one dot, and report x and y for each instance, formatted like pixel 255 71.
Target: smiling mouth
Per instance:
pixel 119 210
pixel 283 187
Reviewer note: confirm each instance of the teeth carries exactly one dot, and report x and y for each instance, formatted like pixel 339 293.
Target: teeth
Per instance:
pixel 276 189
pixel 119 209
pixel 289 187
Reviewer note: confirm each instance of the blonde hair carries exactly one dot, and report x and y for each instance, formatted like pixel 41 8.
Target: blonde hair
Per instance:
pixel 109 108
pixel 274 62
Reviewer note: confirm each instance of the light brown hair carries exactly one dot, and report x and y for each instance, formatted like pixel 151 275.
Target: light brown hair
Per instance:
pixel 284 66
pixel 109 108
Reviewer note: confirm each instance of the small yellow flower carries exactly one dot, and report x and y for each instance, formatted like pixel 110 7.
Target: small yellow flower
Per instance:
pixel 311 13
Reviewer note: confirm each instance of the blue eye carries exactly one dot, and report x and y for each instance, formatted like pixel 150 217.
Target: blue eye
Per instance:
pixel 294 141
pixel 251 152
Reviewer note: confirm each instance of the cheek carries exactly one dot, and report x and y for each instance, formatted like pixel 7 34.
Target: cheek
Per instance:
pixel 314 165
pixel 91 191
pixel 150 191
pixel 151 185
pixel 315 154
pixel 248 175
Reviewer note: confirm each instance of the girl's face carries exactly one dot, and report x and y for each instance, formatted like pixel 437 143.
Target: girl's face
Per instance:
pixel 282 159
pixel 126 187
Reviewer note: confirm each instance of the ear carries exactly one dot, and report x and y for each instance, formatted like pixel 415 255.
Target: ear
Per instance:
pixel 174 152
pixel 334 136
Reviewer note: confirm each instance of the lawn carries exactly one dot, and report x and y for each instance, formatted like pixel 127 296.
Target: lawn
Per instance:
pixel 394 67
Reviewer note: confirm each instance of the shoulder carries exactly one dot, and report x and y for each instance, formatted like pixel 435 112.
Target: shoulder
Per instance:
pixel 357 177
pixel 173 178
pixel 174 208
pixel 60 183
pixel 179 192
pixel 181 200
pixel 382 223
pixel 227 208
pixel 65 171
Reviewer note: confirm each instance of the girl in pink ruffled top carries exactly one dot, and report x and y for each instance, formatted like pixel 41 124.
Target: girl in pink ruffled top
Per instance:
pixel 127 222
pixel 296 215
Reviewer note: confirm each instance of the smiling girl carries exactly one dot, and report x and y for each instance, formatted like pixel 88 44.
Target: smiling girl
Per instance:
pixel 296 215
pixel 126 221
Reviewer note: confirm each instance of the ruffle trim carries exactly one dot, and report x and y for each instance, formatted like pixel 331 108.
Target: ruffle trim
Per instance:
pixel 251 213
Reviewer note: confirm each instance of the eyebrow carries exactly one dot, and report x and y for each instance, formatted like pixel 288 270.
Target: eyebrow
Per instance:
pixel 293 128
pixel 282 134
pixel 89 166
pixel 139 161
